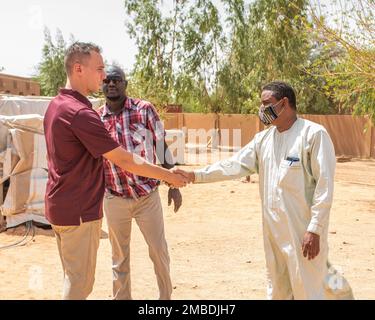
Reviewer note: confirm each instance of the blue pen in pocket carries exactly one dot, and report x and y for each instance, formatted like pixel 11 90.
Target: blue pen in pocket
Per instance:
pixel 292 159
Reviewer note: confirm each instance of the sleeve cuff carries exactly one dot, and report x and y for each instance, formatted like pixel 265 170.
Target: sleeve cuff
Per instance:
pixel 198 176
pixel 315 228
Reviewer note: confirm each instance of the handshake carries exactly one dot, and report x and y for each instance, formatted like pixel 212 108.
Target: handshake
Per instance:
pixel 179 178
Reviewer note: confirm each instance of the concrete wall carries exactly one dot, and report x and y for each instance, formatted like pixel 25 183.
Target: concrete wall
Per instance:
pixel 173 120
pixel 351 135
pixel 248 124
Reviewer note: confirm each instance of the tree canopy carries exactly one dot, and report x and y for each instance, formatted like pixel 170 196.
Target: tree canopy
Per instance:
pixel 210 62
pixel 50 71
pixel 215 55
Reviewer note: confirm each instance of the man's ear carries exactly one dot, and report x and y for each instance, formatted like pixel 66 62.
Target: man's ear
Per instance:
pixel 126 83
pixel 77 68
pixel 286 102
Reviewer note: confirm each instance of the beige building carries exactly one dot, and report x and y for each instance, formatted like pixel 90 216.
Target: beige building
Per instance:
pixel 10 84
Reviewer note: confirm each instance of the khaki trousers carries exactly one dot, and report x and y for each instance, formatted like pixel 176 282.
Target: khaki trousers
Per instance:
pixel 78 247
pixel 147 212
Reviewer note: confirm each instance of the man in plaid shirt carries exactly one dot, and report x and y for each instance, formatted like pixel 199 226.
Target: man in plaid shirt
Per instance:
pixel 136 126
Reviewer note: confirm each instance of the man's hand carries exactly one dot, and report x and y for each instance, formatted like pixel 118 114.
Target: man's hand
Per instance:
pixel 310 245
pixel 175 195
pixel 135 164
pixel 189 175
pixel 176 180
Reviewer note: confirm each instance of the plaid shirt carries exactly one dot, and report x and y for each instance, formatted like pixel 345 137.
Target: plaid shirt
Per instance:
pixel 136 128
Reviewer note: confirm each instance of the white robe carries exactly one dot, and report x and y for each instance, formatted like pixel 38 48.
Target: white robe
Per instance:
pixel 296 176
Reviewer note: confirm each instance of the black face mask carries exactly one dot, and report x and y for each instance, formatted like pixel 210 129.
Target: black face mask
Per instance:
pixel 268 114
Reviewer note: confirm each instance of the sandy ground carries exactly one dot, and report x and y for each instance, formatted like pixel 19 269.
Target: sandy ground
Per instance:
pixel 215 244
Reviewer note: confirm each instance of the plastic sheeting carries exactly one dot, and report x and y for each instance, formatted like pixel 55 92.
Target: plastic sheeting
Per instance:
pixel 25 168
pixel 13 106
pixel 20 119
pixel 23 162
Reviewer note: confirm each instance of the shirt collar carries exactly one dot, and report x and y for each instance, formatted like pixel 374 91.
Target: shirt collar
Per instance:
pixel 76 95
pixel 108 112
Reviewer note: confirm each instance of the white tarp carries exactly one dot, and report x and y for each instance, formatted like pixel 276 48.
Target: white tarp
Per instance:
pixel 13 106
pixel 18 105
pixel 25 165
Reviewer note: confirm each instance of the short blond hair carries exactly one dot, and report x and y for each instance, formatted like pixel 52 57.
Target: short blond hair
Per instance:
pixel 77 53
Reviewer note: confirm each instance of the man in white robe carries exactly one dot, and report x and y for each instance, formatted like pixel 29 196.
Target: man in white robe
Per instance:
pixel 295 159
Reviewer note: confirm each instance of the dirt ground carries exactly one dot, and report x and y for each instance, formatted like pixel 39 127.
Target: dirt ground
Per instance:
pixel 215 244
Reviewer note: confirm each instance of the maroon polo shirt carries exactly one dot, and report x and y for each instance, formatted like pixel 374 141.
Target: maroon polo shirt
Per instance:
pixel 76 139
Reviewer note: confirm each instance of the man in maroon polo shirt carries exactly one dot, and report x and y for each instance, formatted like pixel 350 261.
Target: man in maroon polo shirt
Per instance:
pixel 76 141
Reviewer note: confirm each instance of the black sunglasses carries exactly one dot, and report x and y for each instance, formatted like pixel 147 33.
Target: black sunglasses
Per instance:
pixel 115 80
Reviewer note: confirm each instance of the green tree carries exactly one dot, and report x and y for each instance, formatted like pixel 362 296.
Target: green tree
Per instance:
pixel 201 45
pixel 269 41
pixel 50 71
pixel 349 28
pixel 236 67
pixel 188 57
pixel 178 53
pixel 156 40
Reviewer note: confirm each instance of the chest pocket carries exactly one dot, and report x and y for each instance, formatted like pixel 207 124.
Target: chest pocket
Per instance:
pixel 291 176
